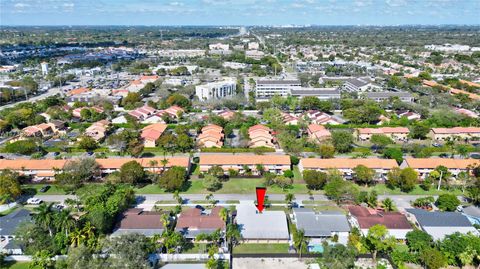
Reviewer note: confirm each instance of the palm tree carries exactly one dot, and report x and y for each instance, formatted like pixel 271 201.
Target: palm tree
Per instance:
pixel 64 222
pixel 44 216
pixel 164 163
pixel 153 164
pixel 223 214
pixel 233 236
pixel 289 197
pixel 165 218
pixel 177 197
pixel 299 241
pixel 76 238
pixel 388 205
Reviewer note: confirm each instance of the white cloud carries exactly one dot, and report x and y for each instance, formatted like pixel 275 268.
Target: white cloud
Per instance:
pixel 396 3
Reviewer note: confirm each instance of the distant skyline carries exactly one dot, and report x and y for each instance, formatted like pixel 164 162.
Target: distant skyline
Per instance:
pixel 239 12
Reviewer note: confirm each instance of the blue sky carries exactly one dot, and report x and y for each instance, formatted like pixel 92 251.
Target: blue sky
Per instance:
pixel 238 12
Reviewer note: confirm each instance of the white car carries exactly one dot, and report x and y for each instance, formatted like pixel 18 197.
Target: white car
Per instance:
pixel 34 201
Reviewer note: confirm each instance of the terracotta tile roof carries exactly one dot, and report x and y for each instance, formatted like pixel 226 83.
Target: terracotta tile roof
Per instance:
pixel 383 130
pixel 367 219
pixel 469 83
pixel 456 130
pixel 213 127
pixel 243 159
pixel 20 164
pixel 116 163
pixel 153 131
pixel 153 77
pixel 432 163
pixel 344 163
pixel 193 219
pixel 259 127
pixel 78 91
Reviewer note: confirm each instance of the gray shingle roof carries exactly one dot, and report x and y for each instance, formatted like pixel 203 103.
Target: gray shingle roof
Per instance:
pixel 439 219
pixel 472 210
pixel 322 223
pixel 10 222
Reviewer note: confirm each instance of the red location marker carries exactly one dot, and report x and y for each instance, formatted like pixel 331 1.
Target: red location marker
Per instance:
pixel 260 198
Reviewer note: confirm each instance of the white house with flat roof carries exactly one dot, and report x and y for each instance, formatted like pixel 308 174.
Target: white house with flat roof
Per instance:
pixel 265 227
pixel 217 90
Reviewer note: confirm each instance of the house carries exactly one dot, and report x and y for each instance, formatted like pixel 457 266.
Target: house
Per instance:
pixel 8 225
pixel 466 112
pixel 142 113
pixel 364 218
pixel 194 221
pixel 172 112
pixel 77 112
pixel 289 119
pixel 151 133
pixel 465 133
pixel 318 133
pixel 266 227
pixel 321 118
pixel 244 163
pixel 98 130
pixel 226 114
pixel 439 224
pixel 409 115
pixel 39 130
pixel 395 133
pixel 346 166
pixel 211 136
pixel 137 221
pixel 319 226
pixel 472 212
pixel 260 136
pixel 425 166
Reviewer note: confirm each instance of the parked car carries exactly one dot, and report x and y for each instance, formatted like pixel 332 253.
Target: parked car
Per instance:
pixel 34 201
pixel 44 188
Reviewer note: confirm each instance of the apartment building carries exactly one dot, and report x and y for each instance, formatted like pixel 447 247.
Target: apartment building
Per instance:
pixel 425 166
pixel 465 133
pixel 242 163
pixel 346 166
pixel 217 90
pixel 395 133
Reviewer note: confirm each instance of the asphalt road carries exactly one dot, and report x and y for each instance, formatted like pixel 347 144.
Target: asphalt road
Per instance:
pixel 401 201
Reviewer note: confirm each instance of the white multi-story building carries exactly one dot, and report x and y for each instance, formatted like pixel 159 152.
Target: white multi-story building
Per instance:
pixel 217 90
pixel 219 46
pixel 253 46
pixel 265 89
pixel 44 66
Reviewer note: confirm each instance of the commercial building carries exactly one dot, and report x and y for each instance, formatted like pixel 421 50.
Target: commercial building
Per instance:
pixel 243 163
pixel 321 93
pixel 265 89
pixel 386 96
pixel 217 90
pixel 360 85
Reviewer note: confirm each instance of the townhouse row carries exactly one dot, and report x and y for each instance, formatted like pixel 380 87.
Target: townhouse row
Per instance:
pixel 248 163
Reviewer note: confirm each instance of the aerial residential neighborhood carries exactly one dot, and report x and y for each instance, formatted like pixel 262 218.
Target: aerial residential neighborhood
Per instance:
pixel 326 134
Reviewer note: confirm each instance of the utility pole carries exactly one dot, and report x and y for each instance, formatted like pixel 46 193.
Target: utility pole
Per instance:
pixel 440 180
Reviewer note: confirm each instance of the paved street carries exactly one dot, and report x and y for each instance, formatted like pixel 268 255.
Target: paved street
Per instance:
pixel 401 201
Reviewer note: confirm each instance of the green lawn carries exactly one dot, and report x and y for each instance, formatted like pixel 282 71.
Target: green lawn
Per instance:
pixel 296 173
pixel 17 265
pixel 34 188
pixel 261 248
pixel 383 189
pixel 196 248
